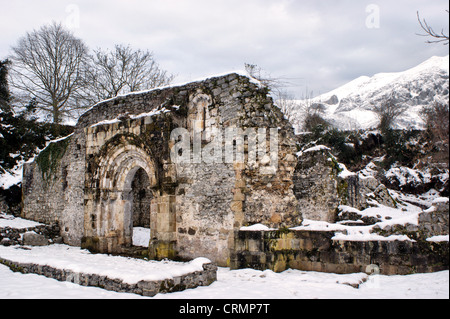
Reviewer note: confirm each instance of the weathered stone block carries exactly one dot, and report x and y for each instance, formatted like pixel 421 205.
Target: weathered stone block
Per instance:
pixel 34 239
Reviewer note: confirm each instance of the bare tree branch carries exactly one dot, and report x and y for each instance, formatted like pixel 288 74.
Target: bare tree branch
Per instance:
pixel 46 67
pixel 388 112
pixel 121 71
pixel 429 32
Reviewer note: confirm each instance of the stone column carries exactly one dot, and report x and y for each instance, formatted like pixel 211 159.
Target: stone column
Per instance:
pixel 163 242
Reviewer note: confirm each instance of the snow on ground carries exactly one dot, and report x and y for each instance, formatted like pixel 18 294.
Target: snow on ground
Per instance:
pixel 19 286
pixel 14 176
pixel 16 222
pixel 129 270
pixel 349 233
pixel 296 284
pixel 11 177
pixel 248 284
pixel 231 284
pixel 407 213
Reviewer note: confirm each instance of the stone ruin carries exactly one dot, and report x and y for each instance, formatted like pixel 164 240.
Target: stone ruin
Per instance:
pixel 161 160
pixel 115 172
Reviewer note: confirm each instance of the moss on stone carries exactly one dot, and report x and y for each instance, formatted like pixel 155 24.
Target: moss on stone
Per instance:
pixel 49 159
pixel 342 190
pixel 90 243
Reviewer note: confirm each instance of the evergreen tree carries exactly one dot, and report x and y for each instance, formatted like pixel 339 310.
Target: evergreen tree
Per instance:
pixel 4 91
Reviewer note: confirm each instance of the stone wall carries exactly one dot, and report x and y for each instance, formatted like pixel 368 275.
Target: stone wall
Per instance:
pixel 434 221
pixel 144 288
pixel 321 185
pixel 44 234
pixel 431 222
pixel 318 189
pixel 53 187
pixel 316 251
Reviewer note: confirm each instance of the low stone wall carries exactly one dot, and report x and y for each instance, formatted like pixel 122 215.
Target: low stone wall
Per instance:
pixel 144 288
pixel 434 221
pixel 13 236
pixel 316 251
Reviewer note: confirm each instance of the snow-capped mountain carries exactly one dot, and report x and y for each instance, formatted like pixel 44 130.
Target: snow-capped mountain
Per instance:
pixel 351 106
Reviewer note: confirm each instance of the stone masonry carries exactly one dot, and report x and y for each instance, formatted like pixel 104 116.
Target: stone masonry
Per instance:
pixel 317 251
pixel 116 171
pixel 148 288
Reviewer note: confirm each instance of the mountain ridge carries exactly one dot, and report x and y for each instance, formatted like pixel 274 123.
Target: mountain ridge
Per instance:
pixel 351 106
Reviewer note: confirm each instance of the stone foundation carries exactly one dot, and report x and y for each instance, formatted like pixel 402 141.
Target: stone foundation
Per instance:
pixel 316 251
pixel 144 288
pixel 12 236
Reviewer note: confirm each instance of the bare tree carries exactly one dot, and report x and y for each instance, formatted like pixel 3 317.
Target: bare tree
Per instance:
pixel 47 67
pixel 266 80
pixel 437 122
pixel 313 113
pixel 429 32
pixel 275 84
pixel 287 103
pixel 388 111
pixel 123 70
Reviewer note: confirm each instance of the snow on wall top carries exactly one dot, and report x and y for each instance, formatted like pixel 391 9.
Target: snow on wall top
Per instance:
pixel 176 85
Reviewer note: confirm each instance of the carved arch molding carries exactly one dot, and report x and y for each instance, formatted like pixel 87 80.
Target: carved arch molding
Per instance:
pixel 110 199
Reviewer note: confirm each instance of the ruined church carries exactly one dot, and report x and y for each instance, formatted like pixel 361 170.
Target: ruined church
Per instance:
pixel 196 163
pixel 116 172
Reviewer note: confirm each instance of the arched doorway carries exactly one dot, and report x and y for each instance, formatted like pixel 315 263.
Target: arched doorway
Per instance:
pixel 125 189
pixel 121 195
pixel 138 196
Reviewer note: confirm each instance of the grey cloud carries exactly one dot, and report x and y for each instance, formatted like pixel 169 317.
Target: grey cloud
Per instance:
pixel 318 44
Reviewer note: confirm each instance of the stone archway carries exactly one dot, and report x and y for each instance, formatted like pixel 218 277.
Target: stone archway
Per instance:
pixel 125 193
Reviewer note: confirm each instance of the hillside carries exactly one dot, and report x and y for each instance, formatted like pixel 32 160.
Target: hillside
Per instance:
pixel 351 106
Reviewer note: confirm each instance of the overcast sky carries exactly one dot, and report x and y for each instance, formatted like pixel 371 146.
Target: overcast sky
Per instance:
pixel 318 45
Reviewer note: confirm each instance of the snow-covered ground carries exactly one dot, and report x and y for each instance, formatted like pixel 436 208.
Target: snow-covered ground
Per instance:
pixel 231 284
pixel 248 284
pixel 11 177
pixel 129 270
pixel 16 222
pixel 406 213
